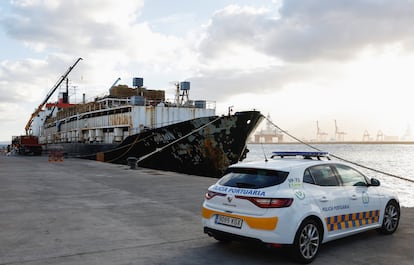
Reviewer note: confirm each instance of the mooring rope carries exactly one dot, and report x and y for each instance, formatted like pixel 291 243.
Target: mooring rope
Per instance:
pixel 157 150
pixel 338 157
pixel 137 140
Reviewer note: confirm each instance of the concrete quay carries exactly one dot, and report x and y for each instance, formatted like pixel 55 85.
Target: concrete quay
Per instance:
pixel 87 212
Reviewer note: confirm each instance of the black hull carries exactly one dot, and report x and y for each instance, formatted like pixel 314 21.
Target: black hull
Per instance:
pixel 184 147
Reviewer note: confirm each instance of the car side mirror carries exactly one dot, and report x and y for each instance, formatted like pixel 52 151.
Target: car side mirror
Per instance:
pixel 375 182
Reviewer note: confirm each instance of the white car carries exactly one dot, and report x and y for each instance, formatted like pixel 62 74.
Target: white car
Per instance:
pixel 301 199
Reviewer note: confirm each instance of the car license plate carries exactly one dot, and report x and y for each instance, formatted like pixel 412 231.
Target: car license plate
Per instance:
pixel 230 221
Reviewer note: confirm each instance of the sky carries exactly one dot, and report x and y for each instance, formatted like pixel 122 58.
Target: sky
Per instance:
pixel 299 61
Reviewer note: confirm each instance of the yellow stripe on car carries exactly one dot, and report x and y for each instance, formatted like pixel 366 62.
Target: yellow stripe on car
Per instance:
pixel 262 223
pixel 340 222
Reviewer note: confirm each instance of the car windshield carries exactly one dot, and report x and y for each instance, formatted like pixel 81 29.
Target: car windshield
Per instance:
pixel 252 178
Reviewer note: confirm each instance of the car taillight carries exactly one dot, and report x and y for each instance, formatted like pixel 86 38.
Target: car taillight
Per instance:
pixel 268 202
pixel 211 194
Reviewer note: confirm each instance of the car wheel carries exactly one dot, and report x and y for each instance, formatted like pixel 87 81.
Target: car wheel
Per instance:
pixel 391 218
pixel 307 241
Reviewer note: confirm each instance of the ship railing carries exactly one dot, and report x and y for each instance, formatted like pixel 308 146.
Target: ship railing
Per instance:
pixel 116 102
pixel 202 104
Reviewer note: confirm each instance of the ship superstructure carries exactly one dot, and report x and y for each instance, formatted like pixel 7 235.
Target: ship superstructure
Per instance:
pixel 124 112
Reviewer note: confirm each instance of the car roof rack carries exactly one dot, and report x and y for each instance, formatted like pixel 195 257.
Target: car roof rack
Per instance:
pixel 305 155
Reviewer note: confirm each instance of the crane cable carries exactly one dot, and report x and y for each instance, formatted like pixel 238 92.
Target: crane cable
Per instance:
pixel 338 157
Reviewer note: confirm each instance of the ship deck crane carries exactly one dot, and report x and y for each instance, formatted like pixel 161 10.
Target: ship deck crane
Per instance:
pixel 116 82
pixel 52 90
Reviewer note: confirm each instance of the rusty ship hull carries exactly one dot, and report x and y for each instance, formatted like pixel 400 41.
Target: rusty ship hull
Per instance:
pixel 204 152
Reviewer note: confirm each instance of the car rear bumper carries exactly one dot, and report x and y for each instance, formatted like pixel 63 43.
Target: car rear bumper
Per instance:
pixel 261 223
pixel 263 229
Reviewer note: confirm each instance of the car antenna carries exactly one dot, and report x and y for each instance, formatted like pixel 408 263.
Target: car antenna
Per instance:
pixel 264 153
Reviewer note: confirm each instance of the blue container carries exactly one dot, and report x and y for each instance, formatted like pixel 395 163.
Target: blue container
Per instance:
pixel 137 101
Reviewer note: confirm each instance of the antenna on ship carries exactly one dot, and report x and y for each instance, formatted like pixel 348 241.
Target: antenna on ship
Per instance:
pixel 177 92
pixel 230 110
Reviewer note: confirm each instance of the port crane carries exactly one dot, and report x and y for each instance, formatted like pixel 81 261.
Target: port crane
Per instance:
pixel 366 136
pixel 52 90
pixel 339 135
pixel 320 135
pixel 29 144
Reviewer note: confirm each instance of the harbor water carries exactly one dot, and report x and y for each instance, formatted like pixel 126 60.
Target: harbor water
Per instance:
pixel 395 159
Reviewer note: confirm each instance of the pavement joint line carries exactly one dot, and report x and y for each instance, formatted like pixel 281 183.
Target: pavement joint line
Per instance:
pixel 103 251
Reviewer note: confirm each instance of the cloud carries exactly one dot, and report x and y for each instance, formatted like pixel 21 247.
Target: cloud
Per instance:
pixel 233 25
pixel 242 46
pixel 336 30
pixel 18 80
pixel 92 29
pixel 304 31
pixel 70 25
pixel 106 34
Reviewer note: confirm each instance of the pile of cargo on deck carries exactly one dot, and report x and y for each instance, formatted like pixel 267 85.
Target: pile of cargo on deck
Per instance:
pixel 124 91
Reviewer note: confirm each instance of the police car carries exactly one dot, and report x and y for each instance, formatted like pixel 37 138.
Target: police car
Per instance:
pixel 301 199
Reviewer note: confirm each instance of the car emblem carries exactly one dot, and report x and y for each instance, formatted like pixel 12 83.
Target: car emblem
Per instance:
pixel 229 199
pixel 300 194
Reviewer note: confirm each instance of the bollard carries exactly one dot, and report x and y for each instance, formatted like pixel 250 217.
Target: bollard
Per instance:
pixel 132 162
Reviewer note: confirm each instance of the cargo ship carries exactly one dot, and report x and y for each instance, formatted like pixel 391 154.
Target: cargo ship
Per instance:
pixel 138 125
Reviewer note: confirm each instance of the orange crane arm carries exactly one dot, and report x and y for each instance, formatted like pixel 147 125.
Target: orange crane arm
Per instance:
pixel 52 90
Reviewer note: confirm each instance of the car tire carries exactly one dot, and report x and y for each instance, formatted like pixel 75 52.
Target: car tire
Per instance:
pixel 307 242
pixel 391 218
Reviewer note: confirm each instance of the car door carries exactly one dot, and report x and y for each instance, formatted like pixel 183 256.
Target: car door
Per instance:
pixel 329 195
pixel 364 202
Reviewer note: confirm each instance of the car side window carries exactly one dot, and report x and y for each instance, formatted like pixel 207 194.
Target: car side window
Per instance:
pixel 350 176
pixel 307 177
pixel 324 175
